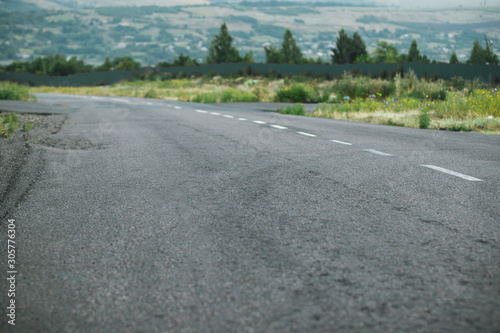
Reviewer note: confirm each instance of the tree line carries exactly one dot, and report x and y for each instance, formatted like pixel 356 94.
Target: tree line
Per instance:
pixel 347 50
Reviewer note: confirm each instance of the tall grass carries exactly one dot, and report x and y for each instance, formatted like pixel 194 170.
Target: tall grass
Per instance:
pixel 475 110
pixel 225 96
pixel 15 92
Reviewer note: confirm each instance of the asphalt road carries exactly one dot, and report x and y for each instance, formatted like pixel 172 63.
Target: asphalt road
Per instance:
pixel 181 217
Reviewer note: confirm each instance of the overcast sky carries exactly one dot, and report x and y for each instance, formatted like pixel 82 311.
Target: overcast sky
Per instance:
pixel 437 3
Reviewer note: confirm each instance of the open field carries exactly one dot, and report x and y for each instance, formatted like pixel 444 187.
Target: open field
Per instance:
pixel 453 105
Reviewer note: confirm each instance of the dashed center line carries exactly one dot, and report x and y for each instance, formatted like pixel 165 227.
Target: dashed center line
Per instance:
pixel 177 107
pixel 373 151
pixel 453 173
pixel 307 134
pixel 377 152
pixel 279 127
pixel 342 142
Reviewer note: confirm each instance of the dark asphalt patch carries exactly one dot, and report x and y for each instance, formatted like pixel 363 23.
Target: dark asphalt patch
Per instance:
pixel 34 108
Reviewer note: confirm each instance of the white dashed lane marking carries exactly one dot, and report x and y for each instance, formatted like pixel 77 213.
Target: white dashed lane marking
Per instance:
pixel 342 142
pixel 453 173
pixel 177 107
pixel 373 151
pixel 307 134
pixel 377 152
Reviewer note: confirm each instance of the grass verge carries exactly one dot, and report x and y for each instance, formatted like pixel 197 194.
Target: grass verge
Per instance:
pixel 403 101
pixel 477 110
pixel 15 92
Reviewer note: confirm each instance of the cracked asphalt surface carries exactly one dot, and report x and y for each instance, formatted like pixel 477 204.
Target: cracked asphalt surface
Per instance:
pixel 155 216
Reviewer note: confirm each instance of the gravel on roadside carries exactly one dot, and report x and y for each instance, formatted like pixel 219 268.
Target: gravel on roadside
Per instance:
pixel 21 157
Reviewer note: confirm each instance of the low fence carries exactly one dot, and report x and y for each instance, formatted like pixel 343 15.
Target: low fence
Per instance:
pixel 483 73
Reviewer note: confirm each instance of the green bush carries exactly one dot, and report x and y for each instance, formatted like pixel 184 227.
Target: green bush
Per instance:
pixel 295 93
pixel 457 82
pixel 297 109
pixel 151 93
pixel 460 128
pixel 15 92
pixel 424 120
pixel 363 87
pixel 429 92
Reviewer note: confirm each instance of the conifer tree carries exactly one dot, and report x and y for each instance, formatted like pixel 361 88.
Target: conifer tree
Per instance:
pixel 477 55
pixel 221 50
pixel 348 49
pixel 491 57
pixel 414 53
pixel 386 52
pixel 106 66
pixel 291 52
pixel 273 55
pixel 341 51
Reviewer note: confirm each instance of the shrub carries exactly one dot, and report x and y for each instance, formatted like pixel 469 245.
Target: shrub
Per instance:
pixel 460 128
pixel 151 93
pixel 151 76
pixel 13 91
pixel 438 95
pixel 383 74
pixel 297 109
pixel 429 92
pixel 301 78
pixel 363 87
pixel 457 82
pixel 296 93
pixel 424 120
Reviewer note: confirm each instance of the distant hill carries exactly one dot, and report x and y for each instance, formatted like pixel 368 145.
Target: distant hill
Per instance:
pixel 10 6
pixel 152 34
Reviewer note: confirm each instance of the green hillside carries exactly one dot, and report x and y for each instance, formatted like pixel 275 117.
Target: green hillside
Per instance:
pixel 152 34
